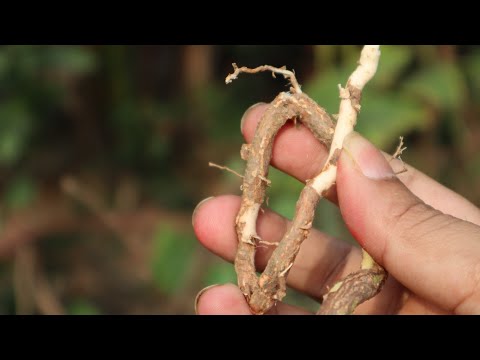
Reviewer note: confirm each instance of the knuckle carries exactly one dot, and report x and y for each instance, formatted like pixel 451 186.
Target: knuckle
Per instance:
pixel 406 215
pixel 414 220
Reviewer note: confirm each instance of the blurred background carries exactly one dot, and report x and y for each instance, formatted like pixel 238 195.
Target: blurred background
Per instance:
pixel 104 154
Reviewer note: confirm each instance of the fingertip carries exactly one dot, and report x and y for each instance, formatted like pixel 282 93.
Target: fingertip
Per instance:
pixel 222 300
pixel 200 293
pixel 250 119
pixel 199 205
pixel 214 225
pixel 201 220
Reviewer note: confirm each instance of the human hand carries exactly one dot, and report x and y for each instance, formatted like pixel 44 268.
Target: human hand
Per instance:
pixel 432 252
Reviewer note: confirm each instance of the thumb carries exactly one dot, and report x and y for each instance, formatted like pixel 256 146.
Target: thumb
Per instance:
pixel 436 256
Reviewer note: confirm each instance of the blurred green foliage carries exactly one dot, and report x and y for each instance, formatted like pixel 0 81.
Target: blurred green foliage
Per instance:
pixel 82 307
pixel 172 254
pixel 19 193
pixel 140 124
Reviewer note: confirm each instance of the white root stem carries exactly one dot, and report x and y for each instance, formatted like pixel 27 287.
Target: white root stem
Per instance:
pixel 347 116
pixel 347 119
pixel 250 231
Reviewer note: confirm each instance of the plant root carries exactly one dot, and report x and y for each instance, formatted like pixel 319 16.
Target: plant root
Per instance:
pixel 264 291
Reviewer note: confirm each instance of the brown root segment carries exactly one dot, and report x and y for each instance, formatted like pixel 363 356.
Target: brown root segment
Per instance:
pixel 272 282
pixel 262 295
pixel 355 289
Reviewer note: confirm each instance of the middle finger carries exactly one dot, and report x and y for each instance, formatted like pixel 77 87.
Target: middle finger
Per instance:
pixel 320 262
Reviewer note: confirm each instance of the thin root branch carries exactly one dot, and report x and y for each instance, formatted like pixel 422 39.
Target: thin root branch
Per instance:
pixel 267 181
pixel 268 243
pixel 284 272
pixel 286 73
pixel 225 168
pixel 400 149
pixel 397 156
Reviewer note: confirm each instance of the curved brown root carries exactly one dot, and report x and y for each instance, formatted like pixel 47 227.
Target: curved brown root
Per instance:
pixel 263 292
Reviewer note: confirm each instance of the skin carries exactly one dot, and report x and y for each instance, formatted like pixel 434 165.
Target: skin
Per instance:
pixel 425 235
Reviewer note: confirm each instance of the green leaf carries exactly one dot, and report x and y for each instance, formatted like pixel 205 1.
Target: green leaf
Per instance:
pixel 20 192
pixel 393 60
pixel 172 253
pixel 220 272
pixel 82 307
pixel 441 85
pixel 15 129
pixel 385 117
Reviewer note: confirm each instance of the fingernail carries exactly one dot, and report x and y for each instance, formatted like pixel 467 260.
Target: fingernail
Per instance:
pixel 199 205
pixel 367 157
pixel 197 298
pixel 247 112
